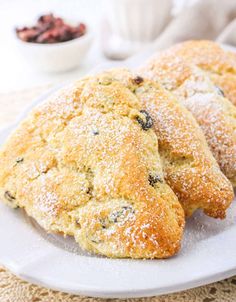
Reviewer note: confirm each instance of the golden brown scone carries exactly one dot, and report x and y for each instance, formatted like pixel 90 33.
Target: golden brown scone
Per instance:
pixel 82 165
pixel 211 57
pixel 194 89
pixel 190 169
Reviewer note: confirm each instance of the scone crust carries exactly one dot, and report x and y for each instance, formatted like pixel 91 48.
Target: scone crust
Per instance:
pixel 82 165
pixel 211 57
pixel 190 169
pixel 196 91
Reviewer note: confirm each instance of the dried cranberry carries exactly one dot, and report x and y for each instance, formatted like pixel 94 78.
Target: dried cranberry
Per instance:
pixel 50 29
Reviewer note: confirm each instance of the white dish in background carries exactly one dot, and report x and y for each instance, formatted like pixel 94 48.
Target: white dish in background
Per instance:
pixel 208 253
pixel 133 20
pixel 130 25
pixel 56 57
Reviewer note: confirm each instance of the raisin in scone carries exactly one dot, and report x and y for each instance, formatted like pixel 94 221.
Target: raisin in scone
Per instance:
pixel 190 169
pixel 213 111
pixel 217 62
pixel 86 164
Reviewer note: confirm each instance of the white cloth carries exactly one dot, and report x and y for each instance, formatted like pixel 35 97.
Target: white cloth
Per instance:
pixel 207 19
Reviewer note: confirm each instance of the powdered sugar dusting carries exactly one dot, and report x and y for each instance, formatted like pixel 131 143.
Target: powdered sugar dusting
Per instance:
pixel 194 89
pixel 88 173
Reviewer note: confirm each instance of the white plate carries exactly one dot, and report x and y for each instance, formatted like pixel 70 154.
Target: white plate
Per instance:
pixel 208 254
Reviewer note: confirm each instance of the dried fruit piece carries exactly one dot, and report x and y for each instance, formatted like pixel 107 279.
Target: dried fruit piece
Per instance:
pixel 154 179
pixel 220 91
pixel 95 132
pixel 147 123
pixel 50 29
pixel 9 196
pixel 138 80
pixel 19 160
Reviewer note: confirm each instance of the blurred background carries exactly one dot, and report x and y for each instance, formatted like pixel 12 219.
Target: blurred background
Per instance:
pixel 115 31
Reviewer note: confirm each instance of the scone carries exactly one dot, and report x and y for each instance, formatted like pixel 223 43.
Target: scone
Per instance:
pixel 219 64
pixel 190 169
pixel 213 111
pixel 86 164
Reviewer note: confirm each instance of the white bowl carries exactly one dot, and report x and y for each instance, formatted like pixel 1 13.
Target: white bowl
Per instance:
pixel 138 20
pixel 56 57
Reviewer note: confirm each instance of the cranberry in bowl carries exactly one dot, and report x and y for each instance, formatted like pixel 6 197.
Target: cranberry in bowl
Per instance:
pixel 54 45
